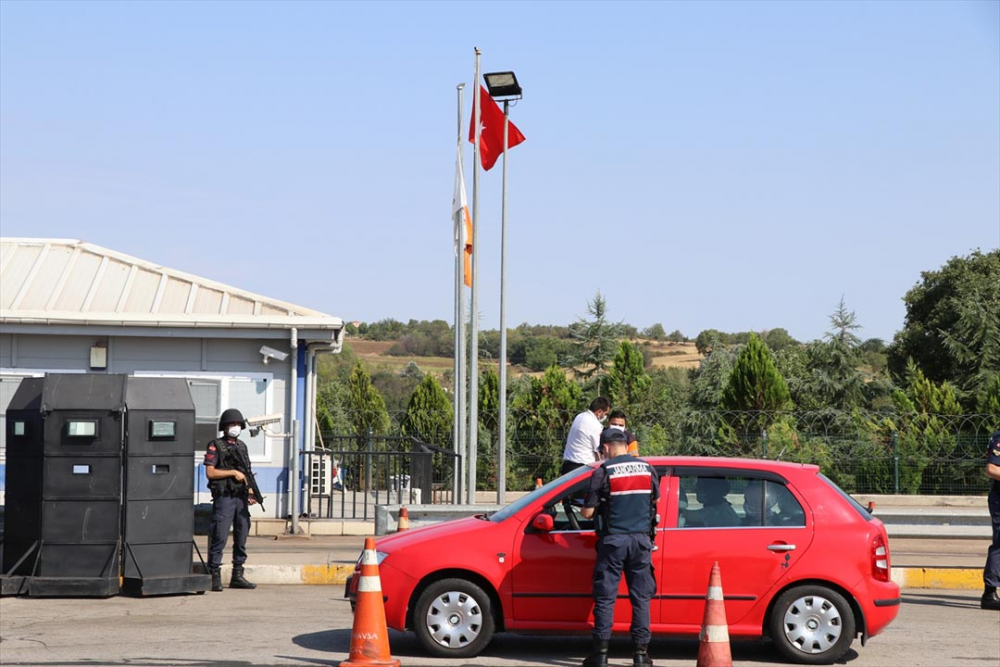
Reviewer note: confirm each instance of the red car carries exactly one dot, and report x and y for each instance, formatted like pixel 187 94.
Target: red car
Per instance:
pixel 802 563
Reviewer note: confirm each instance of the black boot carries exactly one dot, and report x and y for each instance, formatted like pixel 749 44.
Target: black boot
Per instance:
pixel 640 657
pixel 599 655
pixel 216 579
pixel 990 599
pixel 238 581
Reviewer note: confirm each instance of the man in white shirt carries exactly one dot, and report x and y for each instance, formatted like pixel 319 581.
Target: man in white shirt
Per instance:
pixel 583 444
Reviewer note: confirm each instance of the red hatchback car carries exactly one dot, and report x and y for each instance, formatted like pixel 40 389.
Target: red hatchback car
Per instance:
pixel 802 563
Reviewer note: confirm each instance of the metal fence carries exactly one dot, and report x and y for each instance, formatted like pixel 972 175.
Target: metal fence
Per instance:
pixel 349 475
pixel 863 451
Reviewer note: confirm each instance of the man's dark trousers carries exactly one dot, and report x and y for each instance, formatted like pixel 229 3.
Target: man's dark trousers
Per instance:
pixel 631 554
pixel 228 511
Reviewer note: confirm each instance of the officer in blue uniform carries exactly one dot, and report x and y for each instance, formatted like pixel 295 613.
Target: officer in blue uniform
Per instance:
pixel 227 463
pixel 991 573
pixel 623 493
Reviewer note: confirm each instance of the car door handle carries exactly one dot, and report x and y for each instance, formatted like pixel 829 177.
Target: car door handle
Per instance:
pixel 781 547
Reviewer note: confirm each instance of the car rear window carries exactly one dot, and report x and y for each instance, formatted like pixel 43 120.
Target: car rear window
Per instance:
pixel 858 507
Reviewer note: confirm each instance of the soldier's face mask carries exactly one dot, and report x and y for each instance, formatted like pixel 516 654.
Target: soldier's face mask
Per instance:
pixel 233 431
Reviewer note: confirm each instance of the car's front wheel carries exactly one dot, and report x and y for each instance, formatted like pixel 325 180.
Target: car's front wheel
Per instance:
pixel 813 625
pixel 453 618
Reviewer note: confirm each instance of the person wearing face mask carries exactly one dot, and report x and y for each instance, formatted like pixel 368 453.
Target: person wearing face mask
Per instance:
pixel 583 444
pixel 227 464
pixel 616 420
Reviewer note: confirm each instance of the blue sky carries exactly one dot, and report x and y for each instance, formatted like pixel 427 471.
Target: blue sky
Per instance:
pixel 728 165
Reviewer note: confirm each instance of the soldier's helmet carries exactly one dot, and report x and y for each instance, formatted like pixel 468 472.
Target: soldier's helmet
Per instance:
pixel 232 416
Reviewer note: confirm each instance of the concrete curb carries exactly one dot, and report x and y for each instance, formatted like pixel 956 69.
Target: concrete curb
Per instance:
pixel 952 578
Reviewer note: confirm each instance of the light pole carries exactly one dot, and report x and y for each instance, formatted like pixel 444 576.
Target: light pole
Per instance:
pixel 503 85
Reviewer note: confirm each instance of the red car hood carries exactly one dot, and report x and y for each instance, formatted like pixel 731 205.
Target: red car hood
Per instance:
pixel 467 527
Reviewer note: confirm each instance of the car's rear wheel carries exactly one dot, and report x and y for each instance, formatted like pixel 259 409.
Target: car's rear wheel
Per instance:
pixel 813 625
pixel 453 618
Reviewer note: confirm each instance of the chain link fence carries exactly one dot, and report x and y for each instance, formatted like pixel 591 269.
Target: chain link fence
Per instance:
pixel 863 451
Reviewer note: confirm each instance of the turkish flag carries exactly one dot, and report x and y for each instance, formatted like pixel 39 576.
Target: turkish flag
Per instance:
pixel 491 134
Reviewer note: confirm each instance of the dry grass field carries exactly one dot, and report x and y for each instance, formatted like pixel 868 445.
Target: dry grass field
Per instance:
pixel 665 355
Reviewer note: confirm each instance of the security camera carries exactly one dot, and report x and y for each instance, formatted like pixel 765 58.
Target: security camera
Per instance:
pixel 270 353
pixel 263 420
pixel 258 424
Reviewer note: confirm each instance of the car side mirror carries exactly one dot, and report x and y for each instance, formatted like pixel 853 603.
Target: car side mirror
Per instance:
pixel 543 522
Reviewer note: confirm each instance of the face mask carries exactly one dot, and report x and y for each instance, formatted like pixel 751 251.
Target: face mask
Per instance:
pixel 233 431
pixel 617 427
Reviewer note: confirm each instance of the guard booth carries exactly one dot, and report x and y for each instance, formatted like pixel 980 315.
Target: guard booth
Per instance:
pixel 158 534
pixel 70 528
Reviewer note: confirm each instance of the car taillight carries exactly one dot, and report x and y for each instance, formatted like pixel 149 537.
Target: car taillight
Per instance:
pixel 880 559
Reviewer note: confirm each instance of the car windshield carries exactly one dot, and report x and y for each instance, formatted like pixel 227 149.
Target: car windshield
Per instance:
pixel 858 507
pixel 541 491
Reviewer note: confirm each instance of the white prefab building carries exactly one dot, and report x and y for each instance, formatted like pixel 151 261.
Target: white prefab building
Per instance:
pixel 72 307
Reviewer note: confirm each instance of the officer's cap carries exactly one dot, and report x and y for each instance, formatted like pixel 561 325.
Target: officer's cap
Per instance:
pixel 612 435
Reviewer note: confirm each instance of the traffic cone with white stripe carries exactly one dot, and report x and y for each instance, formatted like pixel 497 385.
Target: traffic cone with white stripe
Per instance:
pixel 714 651
pixel 404 519
pixel 369 636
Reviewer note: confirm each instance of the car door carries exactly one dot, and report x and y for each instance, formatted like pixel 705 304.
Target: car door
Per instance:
pixel 709 522
pixel 553 578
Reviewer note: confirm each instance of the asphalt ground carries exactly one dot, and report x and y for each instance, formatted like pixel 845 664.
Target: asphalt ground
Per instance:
pixel 309 626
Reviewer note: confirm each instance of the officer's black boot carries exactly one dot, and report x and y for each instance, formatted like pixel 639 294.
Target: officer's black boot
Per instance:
pixel 216 579
pixel 599 656
pixel 640 657
pixel 238 581
pixel 990 599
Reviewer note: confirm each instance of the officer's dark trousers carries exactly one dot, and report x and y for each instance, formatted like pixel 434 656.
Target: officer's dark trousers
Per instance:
pixel 631 554
pixel 228 511
pixel 991 573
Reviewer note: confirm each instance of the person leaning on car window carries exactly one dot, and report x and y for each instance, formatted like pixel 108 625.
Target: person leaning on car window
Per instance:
pixel 991 572
pixel 622 493
pixel 583 444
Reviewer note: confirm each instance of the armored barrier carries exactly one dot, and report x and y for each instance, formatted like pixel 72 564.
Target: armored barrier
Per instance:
pixel 64 489
pixel 79 522
pixel 158 533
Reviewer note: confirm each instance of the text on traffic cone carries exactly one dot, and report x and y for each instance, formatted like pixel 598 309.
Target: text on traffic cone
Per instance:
pixel 713 649
pixel 369 636
pixel 404 519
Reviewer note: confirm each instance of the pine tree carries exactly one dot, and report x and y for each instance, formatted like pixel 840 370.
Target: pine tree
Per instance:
pixel 628 384
pixel 366 405
pixel 428 414
pixel 595 342
pixel 755 383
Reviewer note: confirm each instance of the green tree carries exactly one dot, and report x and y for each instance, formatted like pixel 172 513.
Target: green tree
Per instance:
pixel 755 383
pixel 707 341
pixel 677 337
pixel 489 400
pixel 952 325
pixel 778 339
pixel 628 384
pixel 428 414
pixel 366 408
pixel 542 415
pixel 836 380
pixel 595 342
pixel 655 332
pixel 990 402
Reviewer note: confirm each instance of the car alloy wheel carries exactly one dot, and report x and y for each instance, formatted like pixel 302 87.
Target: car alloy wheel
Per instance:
pixel 453 619
pixel 812 625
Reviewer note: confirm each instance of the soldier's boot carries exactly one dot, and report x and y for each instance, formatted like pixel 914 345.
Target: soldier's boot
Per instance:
pixel 216 579
pixel 990 599
pixel 640 657
pixel 238 580
pixel 599 655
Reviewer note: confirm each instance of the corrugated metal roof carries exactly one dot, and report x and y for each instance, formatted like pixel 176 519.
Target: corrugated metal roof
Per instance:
pixel 69 281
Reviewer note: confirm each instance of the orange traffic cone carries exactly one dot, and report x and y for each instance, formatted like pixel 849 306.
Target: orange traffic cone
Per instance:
pixel 369 636
pixel 713 651
pixel 404 519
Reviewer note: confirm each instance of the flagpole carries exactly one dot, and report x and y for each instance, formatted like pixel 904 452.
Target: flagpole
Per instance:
pixel 473 315
pixel 502 421
pixel 458 373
